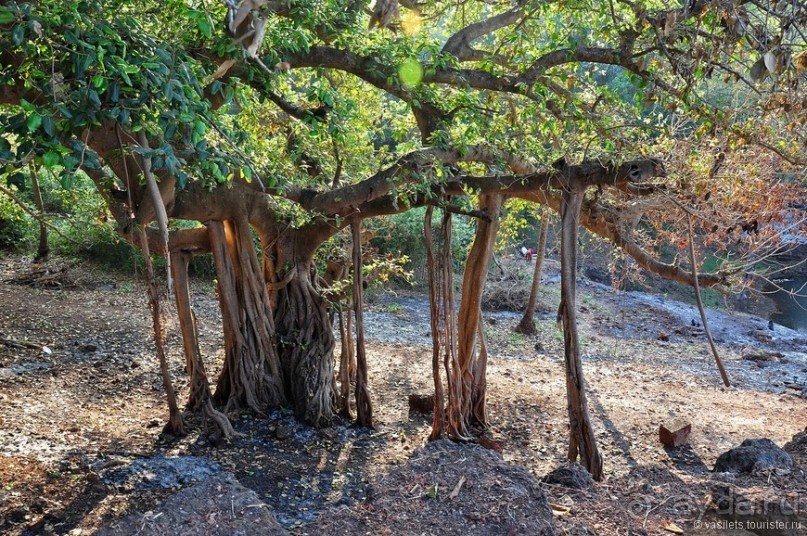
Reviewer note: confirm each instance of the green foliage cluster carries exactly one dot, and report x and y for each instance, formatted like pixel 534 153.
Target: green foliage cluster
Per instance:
pixel 402 234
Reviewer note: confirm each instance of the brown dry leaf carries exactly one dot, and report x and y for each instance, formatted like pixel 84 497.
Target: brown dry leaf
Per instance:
pixel 672 527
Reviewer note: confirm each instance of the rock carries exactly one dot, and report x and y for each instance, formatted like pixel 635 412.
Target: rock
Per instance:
pixel 420 403
pixel 217 506
pixel 753 354
pixel 88 348
pixel 797 445
pixel 676 435
pixel 572 475
pixel 761 336
pixel 283 431
pixel 752 456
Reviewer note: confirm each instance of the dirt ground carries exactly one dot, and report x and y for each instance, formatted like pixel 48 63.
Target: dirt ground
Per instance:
pixel 82 408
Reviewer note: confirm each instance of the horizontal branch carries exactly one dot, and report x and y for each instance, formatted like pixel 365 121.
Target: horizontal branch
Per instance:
pixel 410 168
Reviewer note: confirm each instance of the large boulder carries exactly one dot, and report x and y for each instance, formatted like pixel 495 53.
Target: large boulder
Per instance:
pixel 754 456
pixel 217 506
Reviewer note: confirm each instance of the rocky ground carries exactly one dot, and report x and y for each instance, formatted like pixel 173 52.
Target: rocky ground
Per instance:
pixel 81 412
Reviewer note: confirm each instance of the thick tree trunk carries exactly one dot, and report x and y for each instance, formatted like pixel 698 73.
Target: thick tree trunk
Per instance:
pixel 472 368
pixel 439 419
pixel 455 426
pixel 199 398
pixel 175 424
pixel 251 376
pixel 527 324
pixel 581 433
pixel 305 343
pixel 364 408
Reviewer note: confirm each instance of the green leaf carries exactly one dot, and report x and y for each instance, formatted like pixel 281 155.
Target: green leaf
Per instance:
pixel 93 96
pixel 6 16
pixel 34 121
pixel 49 125
pixel 182 179
pixel 18 180
pixel 66 179
pixel 205 28
pixel 18 35
pixel 51 159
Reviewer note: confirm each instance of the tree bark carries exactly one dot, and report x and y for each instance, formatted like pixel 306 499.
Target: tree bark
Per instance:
pixel 175 424
pixel 199 398
pixel 305 342
pixel 694 261
pixel 455 425
pixel 364 408
pixel 527 324
pixel 470 312
pixel 581 433
pixel 251 376
pixel 344 365
pixel 439 418
pixel 42 249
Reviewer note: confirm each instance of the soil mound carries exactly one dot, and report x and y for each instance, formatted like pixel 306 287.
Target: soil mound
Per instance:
pixel 218 506
pixel 447 488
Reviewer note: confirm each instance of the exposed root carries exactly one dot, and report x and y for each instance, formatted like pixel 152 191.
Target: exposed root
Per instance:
pixel 364 408
pixel 175 424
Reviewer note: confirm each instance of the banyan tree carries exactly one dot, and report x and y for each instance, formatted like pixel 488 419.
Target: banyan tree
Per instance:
pixel 256 131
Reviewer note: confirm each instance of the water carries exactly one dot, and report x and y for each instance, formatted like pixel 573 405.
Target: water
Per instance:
pixel 792 309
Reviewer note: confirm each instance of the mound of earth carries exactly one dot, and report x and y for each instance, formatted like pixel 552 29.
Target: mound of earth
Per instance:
pixel 217 506
pixel 447 488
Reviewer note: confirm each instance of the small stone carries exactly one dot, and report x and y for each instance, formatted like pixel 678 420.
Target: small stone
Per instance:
pixel 674 435
pixel 88 348
pixel 283 431
pixel 572 475
pixel 762 336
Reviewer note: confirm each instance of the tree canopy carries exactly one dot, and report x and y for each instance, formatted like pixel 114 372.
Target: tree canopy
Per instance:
pixel 297 118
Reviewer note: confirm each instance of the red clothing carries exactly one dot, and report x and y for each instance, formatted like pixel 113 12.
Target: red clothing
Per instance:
pixel 529 254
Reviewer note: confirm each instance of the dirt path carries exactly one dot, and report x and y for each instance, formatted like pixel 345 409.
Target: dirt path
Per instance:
pixel 81 409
